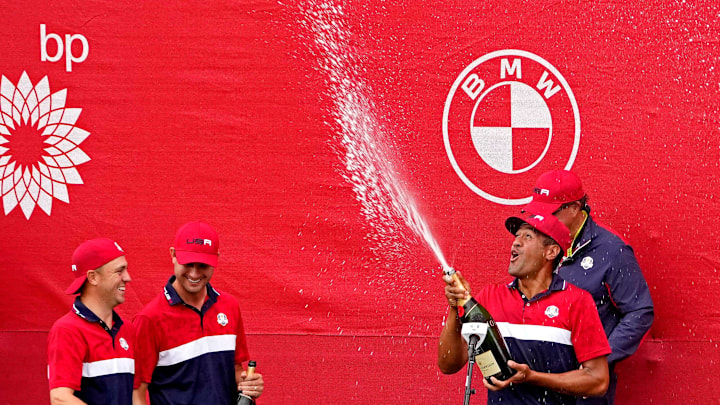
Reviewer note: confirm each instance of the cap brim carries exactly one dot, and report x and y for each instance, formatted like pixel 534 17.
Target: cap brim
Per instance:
pixel 540 208
pixel 76 285
pixel 512 224
pixel 184 257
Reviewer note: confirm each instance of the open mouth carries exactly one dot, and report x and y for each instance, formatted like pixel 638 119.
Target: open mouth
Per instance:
pixel 513 255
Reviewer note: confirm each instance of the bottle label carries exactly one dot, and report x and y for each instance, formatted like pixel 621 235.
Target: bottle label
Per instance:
pixel 487 364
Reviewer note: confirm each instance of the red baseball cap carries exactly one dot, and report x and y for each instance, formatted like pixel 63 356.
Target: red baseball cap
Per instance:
pixel 554 189
pixel 197 242
pixel 90 255
pixel 547 224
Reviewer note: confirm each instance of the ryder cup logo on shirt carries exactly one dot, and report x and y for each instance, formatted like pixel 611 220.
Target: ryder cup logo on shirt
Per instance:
pixel 124 343
pixel 39 145
pixel 552 311
pixel 509 117
pixel 222 319
pixel 587 262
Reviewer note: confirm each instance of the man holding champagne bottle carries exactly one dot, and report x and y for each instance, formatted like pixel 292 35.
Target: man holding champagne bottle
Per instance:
pixel 190 339
pixel 551 327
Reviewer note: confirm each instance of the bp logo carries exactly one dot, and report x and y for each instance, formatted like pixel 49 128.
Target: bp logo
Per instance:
pixel 509 117
pixel 39 145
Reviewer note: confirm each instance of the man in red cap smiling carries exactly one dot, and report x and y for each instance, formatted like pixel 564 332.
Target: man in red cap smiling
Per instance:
pixel 551 327
pixel 191 342
pixel 90 349
pixel 601 263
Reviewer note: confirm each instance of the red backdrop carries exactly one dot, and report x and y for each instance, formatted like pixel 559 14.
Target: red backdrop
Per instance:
pixel 248 114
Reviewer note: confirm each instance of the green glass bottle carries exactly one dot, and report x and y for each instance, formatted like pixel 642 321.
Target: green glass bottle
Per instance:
pixel 493 353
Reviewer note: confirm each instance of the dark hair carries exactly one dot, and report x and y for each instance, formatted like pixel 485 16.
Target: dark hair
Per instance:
pixel 583 204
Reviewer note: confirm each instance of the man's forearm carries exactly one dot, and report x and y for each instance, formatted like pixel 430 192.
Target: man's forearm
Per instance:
pixel 452 348
pixel 590 381
pixel 64 396
pixel 139 395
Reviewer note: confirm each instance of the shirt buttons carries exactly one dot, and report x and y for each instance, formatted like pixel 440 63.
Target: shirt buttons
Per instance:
pixel 527 305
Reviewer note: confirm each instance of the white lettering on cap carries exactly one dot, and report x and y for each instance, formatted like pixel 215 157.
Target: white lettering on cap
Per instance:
pixel 74 267
pixel 207 242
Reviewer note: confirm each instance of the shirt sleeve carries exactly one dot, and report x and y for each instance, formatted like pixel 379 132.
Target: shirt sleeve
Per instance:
pixel 587 334
pixel 66 351
pixel 482 296
pixel 631 296
pixel 146 352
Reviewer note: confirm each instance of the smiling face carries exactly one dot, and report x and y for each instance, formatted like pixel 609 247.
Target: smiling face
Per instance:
pixel 530 252
pixel 191 279
pixel 111 280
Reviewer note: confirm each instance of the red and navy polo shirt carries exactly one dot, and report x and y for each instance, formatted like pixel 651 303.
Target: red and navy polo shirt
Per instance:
pixel 94 360
pixel 188 356
pixel 553 332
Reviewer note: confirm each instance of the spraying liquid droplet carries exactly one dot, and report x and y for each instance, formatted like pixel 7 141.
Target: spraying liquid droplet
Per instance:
pixel 385 202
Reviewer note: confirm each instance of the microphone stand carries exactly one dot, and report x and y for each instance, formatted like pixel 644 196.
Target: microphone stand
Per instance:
pixel 474 333
pixel 471 362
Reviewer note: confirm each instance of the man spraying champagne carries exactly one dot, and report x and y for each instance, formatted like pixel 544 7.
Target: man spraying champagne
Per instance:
pixel 551 327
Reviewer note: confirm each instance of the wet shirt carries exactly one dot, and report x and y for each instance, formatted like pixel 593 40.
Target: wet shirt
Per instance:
pixel 92 358
pixel 188 356
pixel 605 266
pixel 553 332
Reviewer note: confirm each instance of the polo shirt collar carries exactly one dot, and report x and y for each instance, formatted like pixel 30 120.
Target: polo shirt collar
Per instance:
pixel 85 313
pixel 173 297
pixel 557 284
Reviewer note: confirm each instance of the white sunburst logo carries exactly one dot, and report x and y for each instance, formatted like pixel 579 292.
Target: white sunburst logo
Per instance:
pixel 39 145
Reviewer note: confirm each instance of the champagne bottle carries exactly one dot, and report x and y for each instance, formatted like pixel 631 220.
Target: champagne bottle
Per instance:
pixel 493 354
pixel 243 399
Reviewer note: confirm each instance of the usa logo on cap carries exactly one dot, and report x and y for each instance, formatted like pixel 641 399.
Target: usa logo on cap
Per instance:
pixel 196 242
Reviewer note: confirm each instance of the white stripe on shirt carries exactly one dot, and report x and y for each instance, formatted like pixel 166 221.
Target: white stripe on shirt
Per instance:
pixel 196 348
pixel 535 332
pixel 107 367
